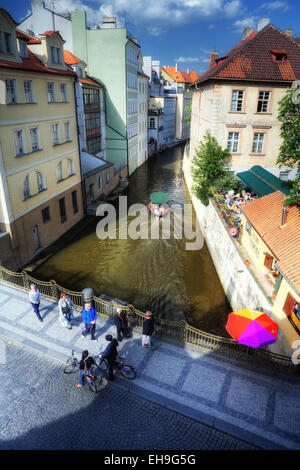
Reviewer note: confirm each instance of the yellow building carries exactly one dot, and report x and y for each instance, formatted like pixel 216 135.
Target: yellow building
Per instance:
pixel 271 237
pixel 40 175
pixel 236 99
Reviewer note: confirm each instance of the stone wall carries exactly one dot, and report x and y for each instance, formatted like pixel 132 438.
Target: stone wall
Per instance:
pixel 239 284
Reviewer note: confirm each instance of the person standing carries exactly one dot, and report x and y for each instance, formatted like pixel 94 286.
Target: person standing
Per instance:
pixel 84 366
pixel 66 306
pixel 35 299
pixel 110 354
pixel 89 316
pixel 121 322
pixel 148 329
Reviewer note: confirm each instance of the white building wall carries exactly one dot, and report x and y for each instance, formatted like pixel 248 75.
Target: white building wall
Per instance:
pixel 142 120
pixel 169 121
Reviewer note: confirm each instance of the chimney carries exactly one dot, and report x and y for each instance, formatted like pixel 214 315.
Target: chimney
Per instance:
pixel 288 32
pixel 188 71
pixel 212 58
pixel 109 22
pixel 262 23
pixel 176 68
pixel 247 31
pixel 284 216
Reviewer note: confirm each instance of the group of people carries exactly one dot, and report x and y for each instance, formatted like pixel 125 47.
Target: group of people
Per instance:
pixel 89 317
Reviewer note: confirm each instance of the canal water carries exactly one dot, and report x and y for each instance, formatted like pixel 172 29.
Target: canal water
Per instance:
pixel 157 275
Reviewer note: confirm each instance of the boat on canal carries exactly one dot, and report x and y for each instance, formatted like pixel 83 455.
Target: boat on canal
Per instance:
pixel 159 204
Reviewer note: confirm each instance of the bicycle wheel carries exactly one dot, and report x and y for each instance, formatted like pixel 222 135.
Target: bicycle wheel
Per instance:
pixel 103 364
pixel 71 366
pixel 128 372
pixel 93 385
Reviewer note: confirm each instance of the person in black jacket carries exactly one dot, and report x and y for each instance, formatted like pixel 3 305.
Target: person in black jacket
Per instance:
pixel 148 329
pixel 110 354
pixel 84 366
pixel 121 322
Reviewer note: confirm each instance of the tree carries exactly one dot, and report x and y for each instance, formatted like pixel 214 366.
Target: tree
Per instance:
pixel 188 109
pixel 208 167
pixel 289 154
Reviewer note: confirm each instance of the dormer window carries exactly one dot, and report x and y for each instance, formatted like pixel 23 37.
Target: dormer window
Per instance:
pixel 7 41
pixel 278 55
pixel 23 49
pixel 55 55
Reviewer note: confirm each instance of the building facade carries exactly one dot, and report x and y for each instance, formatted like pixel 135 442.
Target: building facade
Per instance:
pixel 142 117
pixel 41 192
pixel 236 100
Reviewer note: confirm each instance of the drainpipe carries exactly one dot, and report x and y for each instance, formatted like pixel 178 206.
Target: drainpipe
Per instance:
pixel 79 148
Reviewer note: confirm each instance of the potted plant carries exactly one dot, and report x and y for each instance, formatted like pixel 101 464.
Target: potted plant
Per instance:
pixel 276 287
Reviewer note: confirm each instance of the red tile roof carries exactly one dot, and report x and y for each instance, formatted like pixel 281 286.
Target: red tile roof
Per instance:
pixel 89 81
pixel 50 33
pixel 194 76
pixel 34 64
pixel 71 59
pixel 252 58
pixel 179 76
pixel 265 215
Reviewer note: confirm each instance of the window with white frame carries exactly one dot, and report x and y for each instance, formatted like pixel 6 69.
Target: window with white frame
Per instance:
pixel 152 123
pixel 11 91
pixel 28 91
pixel 55 134
pixel 132 130
pixel 132 106
pixel 63 92
pixel 33 184
pixel 67 130
pixel 132 81
pixel 71 170
pixel 233 141
pixel 7 42
pixel 263 101
pixel 51 92
pixel 107 177
pixel 23 49
pixel 237 100
pixel 258 142
pixel 34 139
pixel 19 141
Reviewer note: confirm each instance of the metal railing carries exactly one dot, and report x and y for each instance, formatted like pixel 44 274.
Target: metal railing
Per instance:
pixel 180 331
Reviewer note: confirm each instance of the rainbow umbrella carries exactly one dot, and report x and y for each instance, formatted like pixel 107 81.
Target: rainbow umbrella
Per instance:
pixel 253 329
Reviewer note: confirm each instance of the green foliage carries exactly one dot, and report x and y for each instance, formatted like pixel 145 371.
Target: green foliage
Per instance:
pixel 277 285
pixel 289 116
pixel 229 182
pixel 188 109
pixel 208 168
pixel 294 196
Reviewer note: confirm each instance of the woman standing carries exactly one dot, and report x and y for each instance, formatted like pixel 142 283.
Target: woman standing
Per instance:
pixel 66 306
pixel 84 367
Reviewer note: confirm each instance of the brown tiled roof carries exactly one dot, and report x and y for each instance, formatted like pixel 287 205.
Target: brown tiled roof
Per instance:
pixel 179 76
pixel 89 81
pixel 265 215
pixel 71 59
pixel 252 59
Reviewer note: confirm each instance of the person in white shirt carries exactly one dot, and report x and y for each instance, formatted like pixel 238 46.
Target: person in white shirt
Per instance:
pixel 35 299
pixel 66 306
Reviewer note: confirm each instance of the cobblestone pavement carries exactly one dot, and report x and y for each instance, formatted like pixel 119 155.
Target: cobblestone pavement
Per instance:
pixel 42 409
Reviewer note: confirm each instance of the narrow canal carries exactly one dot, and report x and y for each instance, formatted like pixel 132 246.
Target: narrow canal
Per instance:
pixel 160 275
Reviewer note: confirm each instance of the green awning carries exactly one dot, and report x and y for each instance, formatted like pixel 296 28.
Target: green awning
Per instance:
pixel 262 182
pixel 159 198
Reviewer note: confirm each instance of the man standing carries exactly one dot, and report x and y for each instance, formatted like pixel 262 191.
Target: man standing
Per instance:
pixel 35 299
pixel 121 322
pixel 89 316
pixel 148 329
pixel 110 354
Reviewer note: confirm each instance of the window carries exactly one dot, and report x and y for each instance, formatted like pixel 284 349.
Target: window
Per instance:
pixel 7 41
pixel 71 170
pixel 53 54
pixel 11 92
pixel 92 121
pixel 233 141
pixel 100 182
pixel 94 145
pixel 237 100
pixel 74 202
pixel 263 101
pixel 34 183
pixel 58 55
pixel 59 172
pixel 90 96
pixel 289 305
pixel 46 215
pixel 23 49
pixel 19 142
pixel 55 134
pixel 62 210
pixel 63 92
pixel 67 129
pixel 152 123
pixel 34 138
pixel 248 227
pixel 28 91
pixel 107 177
pixel 51 92
pixel 258 142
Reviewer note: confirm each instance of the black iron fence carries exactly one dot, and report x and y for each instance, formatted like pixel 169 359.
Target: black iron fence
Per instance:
pixel 181 331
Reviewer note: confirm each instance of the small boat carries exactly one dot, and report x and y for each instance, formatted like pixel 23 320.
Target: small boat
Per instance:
pixel 159 204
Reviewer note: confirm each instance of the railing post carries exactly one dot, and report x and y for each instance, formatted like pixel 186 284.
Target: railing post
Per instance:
pixel 26 283
pixel 54 290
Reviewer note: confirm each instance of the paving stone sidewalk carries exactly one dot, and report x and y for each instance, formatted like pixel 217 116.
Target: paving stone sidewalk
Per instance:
pixel 255 405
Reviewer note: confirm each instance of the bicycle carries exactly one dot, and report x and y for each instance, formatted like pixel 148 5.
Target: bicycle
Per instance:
pixel 72 366
pixel 127 371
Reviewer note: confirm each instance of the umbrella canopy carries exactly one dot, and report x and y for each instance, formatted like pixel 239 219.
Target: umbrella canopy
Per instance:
pixel 159 198
pixel 253 329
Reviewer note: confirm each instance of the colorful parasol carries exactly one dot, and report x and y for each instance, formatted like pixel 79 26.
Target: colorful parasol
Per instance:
pixel 251 328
